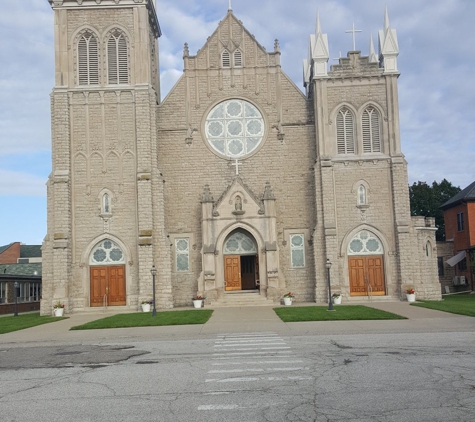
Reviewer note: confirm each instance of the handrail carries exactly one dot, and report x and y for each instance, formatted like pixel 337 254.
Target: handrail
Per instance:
pixel 369 289
pixel 104 303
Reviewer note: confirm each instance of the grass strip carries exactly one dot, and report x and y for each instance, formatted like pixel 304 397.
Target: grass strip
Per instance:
pixel 22 321
pixel 145 319
pixel 340 313
pixel 463 304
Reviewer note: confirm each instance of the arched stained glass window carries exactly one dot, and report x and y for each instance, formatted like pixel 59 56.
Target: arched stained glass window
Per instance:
pixel 365 243
pixel 240 243
pixel 107 252
pixel 362 198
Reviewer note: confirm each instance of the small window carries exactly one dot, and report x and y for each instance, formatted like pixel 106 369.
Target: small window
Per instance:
pixel 117 59
pixel 460 227
pixel 440 266
pixel 88 60
pixel 237 58
pixel 371 131
pixel 3 292
pixel 297 251
pixel 345 132
pixel 106 207
pixel 362 199
pixel 226 59
pixel 428 250
pixel 182 254
pixel 29 292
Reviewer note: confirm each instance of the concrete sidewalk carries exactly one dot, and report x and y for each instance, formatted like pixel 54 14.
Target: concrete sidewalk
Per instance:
pixel 242 320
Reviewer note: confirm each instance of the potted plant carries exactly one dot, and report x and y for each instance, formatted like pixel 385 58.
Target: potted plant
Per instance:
pixel 58 309
pixel 336 297
pixel 146 305
pixel 411 295
pixel 198 301
pixel 288 298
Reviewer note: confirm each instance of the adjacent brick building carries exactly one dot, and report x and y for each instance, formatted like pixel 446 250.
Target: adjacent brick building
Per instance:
pixel 459 217
pixel 236 181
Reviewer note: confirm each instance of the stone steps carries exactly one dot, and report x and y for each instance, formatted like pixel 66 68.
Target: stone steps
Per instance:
pixel 241 299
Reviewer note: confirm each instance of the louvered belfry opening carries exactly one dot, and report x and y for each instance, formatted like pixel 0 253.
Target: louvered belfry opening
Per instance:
pixel 88 60
pixel 226 59
pixel 117 59
pixel 237 58
pixel 371 131
pixel 345 132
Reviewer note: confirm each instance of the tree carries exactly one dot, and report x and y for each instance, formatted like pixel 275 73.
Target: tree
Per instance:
pixel 426 200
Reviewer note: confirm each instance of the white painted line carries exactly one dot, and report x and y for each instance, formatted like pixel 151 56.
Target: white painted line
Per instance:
pixel 259 379
pixel 219 407
pixel 251 344
pixel 235 371
pixel 248 353
pixel 258 362
pixel 243 340
pixel 274 348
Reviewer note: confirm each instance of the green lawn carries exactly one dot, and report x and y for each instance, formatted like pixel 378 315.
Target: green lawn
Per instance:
pixel 463 304
pixel 341 313
pixel 22 321
pixel 145 319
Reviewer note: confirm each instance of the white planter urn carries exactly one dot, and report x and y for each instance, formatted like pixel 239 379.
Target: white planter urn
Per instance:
pixel 336 300
pixel 58 311
pixel 411 297
pixel 197 303
pixel 287 301
pixel 145 307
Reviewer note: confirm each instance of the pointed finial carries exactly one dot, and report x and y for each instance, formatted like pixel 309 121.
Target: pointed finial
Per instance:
pixel 276 46
pixel 230 8
pixel 386 19
pixel 319 26
pixel 186 50
pixel 373 58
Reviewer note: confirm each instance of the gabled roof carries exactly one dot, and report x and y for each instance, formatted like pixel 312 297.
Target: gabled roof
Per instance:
pixel 4 248
pixel 466 195
pixel 20 269
pixel 30 251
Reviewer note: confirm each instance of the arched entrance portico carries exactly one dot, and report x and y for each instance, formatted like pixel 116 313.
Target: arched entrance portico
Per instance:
pixel 107 275
pixel 241 262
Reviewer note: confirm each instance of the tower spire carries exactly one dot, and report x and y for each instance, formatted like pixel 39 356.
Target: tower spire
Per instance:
pixel 373 58
pixel 388 46
pixel 230 7
pixel 386 19
pixel 318 26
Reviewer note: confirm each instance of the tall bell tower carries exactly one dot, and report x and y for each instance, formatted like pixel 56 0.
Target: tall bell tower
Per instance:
pixel 105 217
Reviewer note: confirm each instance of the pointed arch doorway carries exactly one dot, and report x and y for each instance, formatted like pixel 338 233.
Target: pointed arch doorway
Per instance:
pixel 365 265
pixel 107 275
pixel 241 262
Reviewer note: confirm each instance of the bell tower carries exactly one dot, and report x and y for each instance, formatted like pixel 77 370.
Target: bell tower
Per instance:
pixel 105 184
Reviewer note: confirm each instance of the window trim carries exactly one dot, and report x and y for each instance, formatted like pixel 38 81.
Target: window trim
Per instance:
pixel 460 222
pixel 288 245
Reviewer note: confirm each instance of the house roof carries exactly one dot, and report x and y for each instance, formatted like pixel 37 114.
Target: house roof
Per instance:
pixel 30 251
pixel 4 248
pixel 20 269
pixel 465 195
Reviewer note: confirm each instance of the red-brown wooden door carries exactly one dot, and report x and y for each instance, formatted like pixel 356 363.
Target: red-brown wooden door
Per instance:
pixel 366 271
pixel 232 272
pixel 108 283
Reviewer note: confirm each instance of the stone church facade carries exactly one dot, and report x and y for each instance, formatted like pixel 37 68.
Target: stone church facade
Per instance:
pixel 236 181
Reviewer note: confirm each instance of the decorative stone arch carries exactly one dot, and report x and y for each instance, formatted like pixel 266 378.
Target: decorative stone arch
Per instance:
pixel 219 256
pixel 429 247
pixel 100 198
pixel 384 253
pixel 355 191
pixel 127 262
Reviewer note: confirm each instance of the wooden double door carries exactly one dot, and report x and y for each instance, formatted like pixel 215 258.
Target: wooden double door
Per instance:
pixel 366 275
pixel 108 286
pixel 241 272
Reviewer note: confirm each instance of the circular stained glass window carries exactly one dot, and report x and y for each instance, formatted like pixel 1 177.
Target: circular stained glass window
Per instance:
pixel 107 252
pixel 234 128
pixel 365 243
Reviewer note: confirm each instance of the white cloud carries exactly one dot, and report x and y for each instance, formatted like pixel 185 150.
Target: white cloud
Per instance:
pixel 16 183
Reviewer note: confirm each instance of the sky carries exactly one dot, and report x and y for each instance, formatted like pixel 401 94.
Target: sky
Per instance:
pixel 436 86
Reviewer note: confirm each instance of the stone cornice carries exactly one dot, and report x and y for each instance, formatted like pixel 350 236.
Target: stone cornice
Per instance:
pixel 108 3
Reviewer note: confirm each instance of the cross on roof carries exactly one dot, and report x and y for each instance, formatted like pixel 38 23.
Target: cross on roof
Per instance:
pixel 354 31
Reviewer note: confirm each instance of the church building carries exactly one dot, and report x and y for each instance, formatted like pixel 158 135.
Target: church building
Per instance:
pixel 237 184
